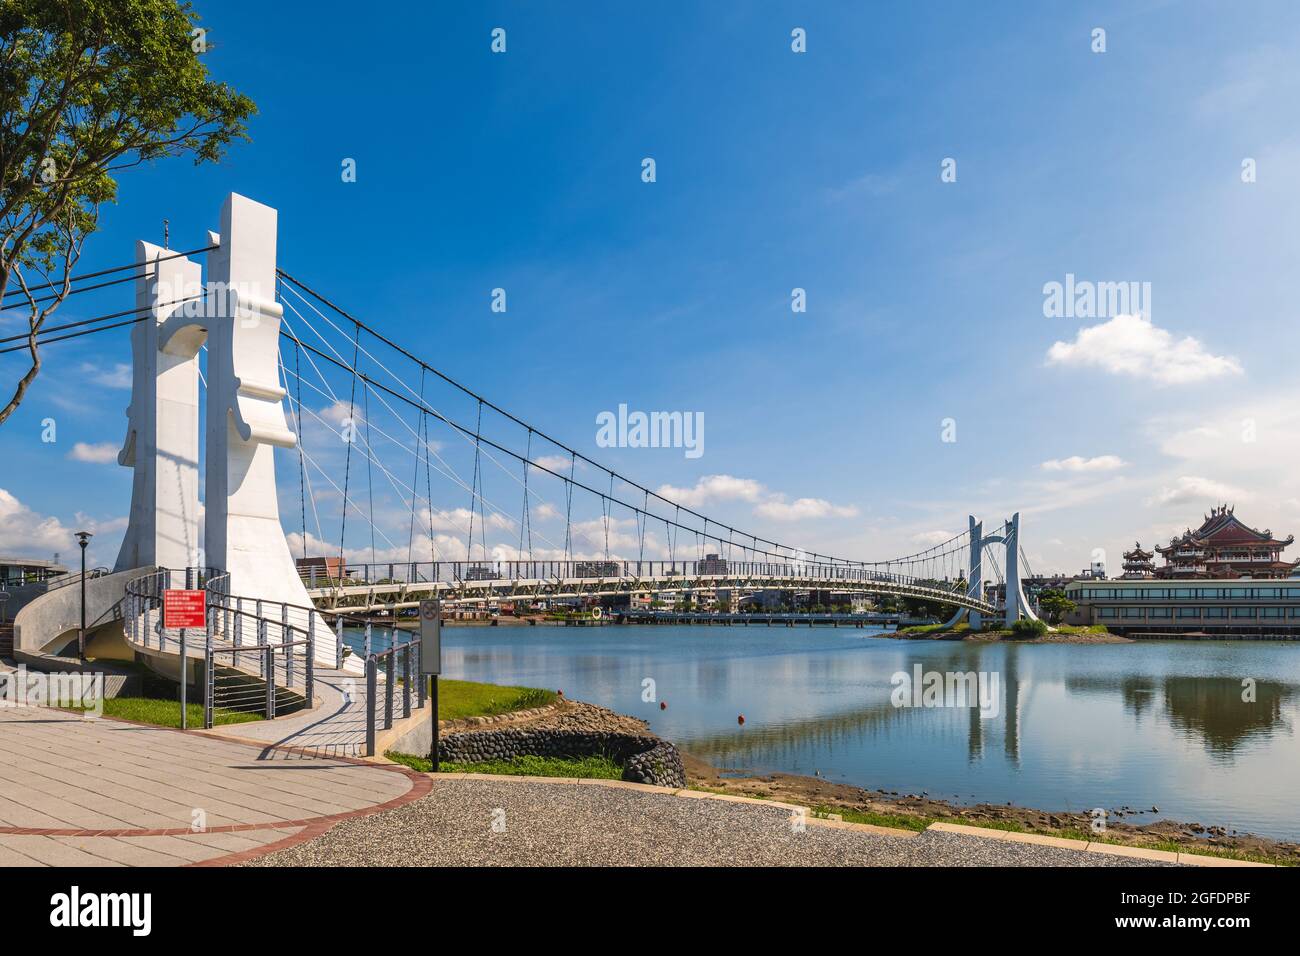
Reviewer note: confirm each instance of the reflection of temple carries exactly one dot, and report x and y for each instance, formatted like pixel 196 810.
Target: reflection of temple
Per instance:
pixel 1210 708
pixel 1224 547
pixel 1138 564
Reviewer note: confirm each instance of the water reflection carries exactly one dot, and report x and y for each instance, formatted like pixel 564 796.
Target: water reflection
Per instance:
pixel 1217 711
pixel 1078 726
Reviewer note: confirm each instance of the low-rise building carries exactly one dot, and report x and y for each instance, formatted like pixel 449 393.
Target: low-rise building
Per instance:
pixel 1241 607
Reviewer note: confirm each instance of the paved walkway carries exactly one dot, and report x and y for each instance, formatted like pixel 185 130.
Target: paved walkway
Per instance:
pixel 336 727
pixel 104 792
pixel 478 821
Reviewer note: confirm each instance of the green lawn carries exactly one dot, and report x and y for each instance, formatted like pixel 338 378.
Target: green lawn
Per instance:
pixel 588 767
pixel 463 698
pixel 167 713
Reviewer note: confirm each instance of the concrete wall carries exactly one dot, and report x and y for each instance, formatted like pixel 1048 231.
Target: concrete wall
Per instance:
pixel 50 622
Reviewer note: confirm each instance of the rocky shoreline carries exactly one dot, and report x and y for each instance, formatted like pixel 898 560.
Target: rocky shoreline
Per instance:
pixel 565 729
pixel 817 792
pixel 568 726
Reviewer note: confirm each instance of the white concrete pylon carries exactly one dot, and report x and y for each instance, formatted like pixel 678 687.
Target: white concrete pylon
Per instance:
pixel 245 412
pixel 162 436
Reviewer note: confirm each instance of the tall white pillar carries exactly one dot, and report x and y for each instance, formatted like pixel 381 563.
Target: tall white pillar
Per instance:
pixel 1012 539
pixel 245 415
pixel 162 438
pixel 975 578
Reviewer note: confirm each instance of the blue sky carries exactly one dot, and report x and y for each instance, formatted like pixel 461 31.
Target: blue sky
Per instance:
pixel 775 170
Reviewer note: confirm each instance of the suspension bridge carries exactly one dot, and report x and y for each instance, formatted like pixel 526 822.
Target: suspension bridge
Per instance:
pixel 321 440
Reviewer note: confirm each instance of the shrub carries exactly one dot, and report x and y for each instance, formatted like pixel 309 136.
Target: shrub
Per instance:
pixel 1025 627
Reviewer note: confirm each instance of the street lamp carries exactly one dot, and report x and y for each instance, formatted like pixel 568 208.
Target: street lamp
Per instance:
pixel 83 539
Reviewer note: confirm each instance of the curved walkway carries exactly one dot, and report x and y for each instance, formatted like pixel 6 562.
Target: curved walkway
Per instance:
pixel 104 792
pixel 335 727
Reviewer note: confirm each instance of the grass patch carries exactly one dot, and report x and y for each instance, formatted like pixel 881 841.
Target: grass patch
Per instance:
pixel 596 767
pixel 463 698
pixel 897 821
pixel 167 713
pixel 918 630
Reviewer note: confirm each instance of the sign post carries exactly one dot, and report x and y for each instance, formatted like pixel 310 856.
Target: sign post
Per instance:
pixel 184 609
pixel 431 661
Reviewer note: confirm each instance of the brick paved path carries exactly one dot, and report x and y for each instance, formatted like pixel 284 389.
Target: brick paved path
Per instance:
pixel 103 792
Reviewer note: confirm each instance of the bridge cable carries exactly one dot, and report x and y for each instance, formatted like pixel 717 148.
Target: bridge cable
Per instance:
pixel 347 467
pixel 103 272
pixel 571 481
pixel 370 478
pixel 415 479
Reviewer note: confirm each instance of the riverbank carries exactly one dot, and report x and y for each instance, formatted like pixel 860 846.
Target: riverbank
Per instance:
pixel 884 808
pixel 1064 634
pixel 917 811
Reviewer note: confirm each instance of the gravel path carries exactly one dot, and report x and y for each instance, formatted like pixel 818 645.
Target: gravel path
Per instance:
pixel 509 823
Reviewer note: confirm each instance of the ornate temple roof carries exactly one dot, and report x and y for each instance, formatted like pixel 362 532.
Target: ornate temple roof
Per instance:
pixel 1138 554
pixel 1223 528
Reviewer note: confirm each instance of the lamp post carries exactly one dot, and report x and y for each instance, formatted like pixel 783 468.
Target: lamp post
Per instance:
pixel 83 539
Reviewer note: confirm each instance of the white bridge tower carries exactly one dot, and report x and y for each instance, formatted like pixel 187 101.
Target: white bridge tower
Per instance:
pixel 236 316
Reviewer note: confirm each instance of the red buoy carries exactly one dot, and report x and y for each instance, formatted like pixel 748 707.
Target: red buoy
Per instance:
pixel 741 720
pixel 663 705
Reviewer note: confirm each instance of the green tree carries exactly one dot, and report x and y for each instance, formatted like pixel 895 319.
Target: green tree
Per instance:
pixel 87 88
pixel 1055 604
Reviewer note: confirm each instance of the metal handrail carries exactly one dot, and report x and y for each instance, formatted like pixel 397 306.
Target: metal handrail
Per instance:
pixel 409 651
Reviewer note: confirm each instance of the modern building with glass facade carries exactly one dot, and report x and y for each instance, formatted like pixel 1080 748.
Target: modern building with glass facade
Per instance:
pixel 1239 607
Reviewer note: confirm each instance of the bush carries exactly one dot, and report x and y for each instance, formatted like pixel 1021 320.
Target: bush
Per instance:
pixel 1025 627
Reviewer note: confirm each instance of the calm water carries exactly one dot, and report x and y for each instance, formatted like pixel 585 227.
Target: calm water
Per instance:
pixel 1151 723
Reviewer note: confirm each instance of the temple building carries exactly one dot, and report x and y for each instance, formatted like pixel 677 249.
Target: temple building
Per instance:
pixel 1138 564
pixel 1223 547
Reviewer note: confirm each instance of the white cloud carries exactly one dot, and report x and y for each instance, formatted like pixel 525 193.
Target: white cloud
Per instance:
pixel 26 533
pixel 712 488
pixel 932 537
pixel 556 463
pixel 100 454
pixel 1132 345
pixel 119 376
pixel 803 508
pixel 1190 489
pixel 1078 463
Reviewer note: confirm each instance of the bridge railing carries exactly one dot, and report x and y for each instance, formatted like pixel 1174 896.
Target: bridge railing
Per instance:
pixel 249 662
pixel 487 573
pixel 403 685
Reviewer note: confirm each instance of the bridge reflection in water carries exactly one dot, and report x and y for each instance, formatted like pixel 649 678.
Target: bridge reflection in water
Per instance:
pixel 1139 725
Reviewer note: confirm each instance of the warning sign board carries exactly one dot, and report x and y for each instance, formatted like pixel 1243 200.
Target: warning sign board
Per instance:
pixel 184 609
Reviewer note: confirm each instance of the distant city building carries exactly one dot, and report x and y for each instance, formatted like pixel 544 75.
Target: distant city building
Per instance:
pixel 1224 547
pixel 713 564
pixel 312 569
pixel 16 571
pixel 596 569
pixel 1138 564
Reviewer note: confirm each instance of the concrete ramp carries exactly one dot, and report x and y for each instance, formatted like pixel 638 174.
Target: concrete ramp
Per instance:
pixel 48 624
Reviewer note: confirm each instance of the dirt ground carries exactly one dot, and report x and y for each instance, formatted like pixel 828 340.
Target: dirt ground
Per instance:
pixel 816 792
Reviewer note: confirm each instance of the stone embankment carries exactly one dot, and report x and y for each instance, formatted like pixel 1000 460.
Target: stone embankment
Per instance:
pixel 568 729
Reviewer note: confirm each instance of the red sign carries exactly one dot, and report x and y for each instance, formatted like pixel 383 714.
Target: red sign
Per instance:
pixel 184 609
